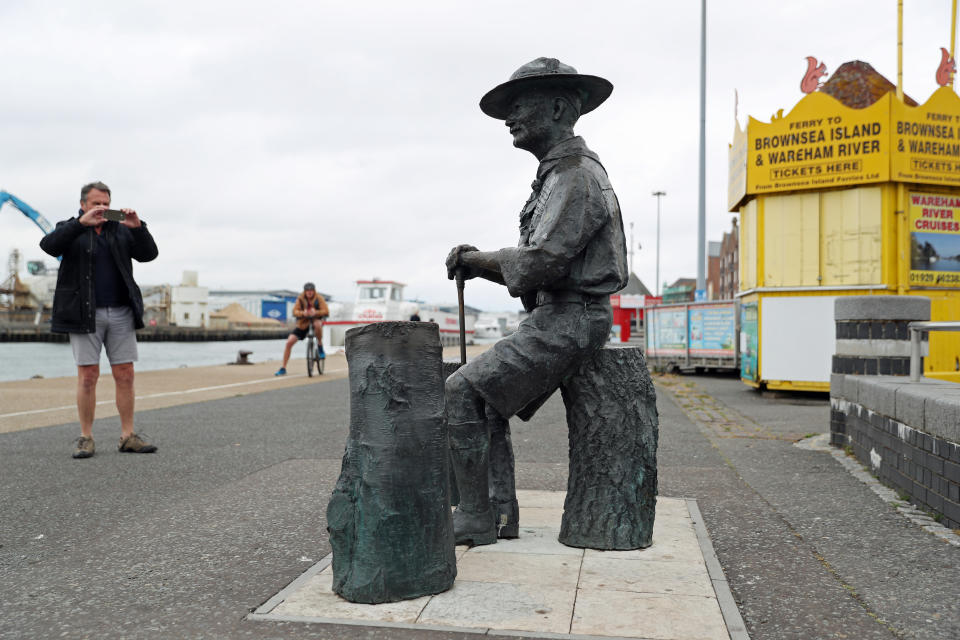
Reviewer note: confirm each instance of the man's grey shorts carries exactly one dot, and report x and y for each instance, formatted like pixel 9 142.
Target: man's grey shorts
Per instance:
pixel 115 331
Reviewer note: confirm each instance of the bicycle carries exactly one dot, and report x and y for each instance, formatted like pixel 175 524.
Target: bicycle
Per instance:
pixel 315 356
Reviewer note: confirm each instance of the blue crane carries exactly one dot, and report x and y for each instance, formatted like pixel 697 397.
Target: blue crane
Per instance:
pixel 26 210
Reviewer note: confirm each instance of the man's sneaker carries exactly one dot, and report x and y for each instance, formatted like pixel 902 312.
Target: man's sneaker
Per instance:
pixel 282 371
pixel 85 447
pixel 322 354
pixel 135 444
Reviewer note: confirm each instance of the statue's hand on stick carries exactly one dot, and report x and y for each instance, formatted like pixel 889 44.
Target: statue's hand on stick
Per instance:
pixel 455 261
pixel 456 269
pixel 474 263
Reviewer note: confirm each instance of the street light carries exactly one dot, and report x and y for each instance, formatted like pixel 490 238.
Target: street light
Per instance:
pixel 658 194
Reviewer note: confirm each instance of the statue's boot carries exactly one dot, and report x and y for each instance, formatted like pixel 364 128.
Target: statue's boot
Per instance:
pixel 473 521
pixel 503 489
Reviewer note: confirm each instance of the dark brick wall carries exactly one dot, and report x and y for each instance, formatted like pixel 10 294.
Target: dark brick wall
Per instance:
pixel 873 365
pixel 838 427
pixel 925 467
pixel 872 330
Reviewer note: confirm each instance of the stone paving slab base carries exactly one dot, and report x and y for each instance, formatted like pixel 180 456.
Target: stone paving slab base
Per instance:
pixel 675 590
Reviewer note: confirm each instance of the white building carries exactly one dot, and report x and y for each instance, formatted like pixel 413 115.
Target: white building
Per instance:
pixel 189 302
pixel 276 304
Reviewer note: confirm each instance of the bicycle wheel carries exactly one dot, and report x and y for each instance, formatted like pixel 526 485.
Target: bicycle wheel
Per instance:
pixel 311 356
pixel 320 362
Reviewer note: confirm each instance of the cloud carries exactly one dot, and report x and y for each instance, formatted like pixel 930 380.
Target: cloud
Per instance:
pixel 339 141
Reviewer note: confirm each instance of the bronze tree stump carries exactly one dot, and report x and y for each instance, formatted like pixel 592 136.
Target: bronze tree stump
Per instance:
pixel 613 429
pixel 389 516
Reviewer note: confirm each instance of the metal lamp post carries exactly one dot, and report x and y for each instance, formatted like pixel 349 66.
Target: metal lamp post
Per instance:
pixel 658 194
pixel 702 208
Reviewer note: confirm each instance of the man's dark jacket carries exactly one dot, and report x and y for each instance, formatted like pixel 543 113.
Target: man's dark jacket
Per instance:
pixel 74 302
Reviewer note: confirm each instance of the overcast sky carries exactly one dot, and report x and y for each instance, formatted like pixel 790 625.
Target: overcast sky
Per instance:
pixel 271 143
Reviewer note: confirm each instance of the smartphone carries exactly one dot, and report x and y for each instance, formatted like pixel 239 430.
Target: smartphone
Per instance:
pixel 114 214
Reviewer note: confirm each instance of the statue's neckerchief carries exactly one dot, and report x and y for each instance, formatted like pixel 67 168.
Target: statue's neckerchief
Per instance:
pixel 570 147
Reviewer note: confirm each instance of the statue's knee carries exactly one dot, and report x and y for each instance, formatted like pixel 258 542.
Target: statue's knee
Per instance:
pixel 496 422
pixel 462 402
pixel 455 386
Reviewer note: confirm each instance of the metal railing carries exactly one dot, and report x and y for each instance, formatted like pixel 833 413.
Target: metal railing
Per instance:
pixel 917 329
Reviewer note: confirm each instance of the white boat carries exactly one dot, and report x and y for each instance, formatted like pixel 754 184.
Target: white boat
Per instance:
pixel 487 331
pixel 493 325
pixel 382 300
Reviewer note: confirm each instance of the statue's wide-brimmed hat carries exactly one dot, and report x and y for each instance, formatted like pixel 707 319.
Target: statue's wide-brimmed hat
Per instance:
pixel 545 73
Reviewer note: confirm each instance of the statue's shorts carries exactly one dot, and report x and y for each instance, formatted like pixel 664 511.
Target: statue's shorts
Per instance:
pixel 523 369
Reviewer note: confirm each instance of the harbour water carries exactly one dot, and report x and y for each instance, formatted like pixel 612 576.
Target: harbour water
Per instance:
pixel 24 360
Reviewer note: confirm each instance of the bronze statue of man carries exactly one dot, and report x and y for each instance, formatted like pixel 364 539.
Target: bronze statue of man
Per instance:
pixel 571 257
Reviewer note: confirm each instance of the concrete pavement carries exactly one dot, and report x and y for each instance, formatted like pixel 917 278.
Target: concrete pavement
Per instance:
pixel 671 590
pixel 25 404
pixel 809 550
pixel 187 542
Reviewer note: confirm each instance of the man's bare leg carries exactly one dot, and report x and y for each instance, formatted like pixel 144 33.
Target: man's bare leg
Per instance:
pixel 123 380
pixel 292 340
pixel 87 376
pixel 318 329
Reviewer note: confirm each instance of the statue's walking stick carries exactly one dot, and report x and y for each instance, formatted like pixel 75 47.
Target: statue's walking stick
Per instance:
pixel 463 328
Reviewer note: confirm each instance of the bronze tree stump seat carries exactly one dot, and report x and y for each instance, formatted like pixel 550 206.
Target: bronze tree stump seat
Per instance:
pixel 613 430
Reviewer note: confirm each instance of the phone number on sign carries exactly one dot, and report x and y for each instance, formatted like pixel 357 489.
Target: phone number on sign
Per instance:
pixel 934 278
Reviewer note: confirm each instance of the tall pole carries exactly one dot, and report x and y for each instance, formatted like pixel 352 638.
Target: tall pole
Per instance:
pixel 900 49
pixel 631 247
pixel 901 206
pixel 702 210
pixel 658 194
pixel 953 39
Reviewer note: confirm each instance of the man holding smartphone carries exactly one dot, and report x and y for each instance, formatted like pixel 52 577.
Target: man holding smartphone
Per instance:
pixel 99 305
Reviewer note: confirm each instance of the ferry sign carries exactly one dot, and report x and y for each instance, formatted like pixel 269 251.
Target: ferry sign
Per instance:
pixel 934 240
pixel 927 138
pixel 370 314
pixel 737 168
pixel 630 301
pixel 821 143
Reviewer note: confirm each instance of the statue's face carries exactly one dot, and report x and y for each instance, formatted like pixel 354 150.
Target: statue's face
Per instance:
pixel 529 120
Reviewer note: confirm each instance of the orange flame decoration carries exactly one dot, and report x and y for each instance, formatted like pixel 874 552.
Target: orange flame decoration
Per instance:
pixel 811 79
pixel 947 68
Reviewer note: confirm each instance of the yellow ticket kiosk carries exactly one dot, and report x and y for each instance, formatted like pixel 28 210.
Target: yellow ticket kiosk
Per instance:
pixel 838 201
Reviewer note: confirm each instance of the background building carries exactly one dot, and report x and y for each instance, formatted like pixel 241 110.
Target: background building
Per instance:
pixel 713 270
pixel 276 304
pixel 730 263
pixel 189 302
pixel 682 290
pixel 628 304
